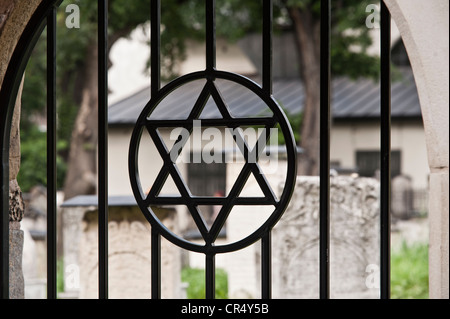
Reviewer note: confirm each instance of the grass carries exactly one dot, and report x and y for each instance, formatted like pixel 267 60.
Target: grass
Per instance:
pixel 60 275
pixel 409 272
pixel 196 280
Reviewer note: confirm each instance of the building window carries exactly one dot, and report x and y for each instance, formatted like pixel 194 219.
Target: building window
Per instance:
pixel 368 163
pixel 207 180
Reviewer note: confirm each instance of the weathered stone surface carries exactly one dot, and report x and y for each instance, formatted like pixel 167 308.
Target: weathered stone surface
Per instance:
pixel 427 45
pixel 34 226
pixel 72 231
pixel 14 16
pixel 16 208
pixel 14 144
pixel 129 256
pixel 16 204
pixel 16 282
pixel 439 237
pixel 402 197
pixel 6 6
pixel 354 240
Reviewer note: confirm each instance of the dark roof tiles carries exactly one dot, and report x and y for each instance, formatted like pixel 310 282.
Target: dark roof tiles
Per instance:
pixel 351 99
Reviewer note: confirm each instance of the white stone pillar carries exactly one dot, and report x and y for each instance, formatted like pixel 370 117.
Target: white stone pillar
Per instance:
pixel 14 15
pixel 424 26
pixel 16 208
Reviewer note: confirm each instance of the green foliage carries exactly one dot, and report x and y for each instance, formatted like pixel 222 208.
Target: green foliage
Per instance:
pixel 34 160
pixel 72 48
pixel 60 275
pixel 313 5
pixel 236 18
pixel 34 96
pixel 195 278
pixel 409 276
pixel 350 36
pixel 296 122
pixel 350 40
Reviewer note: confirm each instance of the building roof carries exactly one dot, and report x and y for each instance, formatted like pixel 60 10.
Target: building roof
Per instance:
pixel 359 99
pixel 92 201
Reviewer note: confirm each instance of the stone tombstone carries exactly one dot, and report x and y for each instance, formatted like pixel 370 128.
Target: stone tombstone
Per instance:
pixel 402 197
pixel 129 251
pixel 72 233
pixel 34 260
pixel 354 241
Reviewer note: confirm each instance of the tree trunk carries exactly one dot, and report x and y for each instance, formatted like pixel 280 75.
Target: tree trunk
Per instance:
pixel 307 35
pixel 81 175
pixel 82 167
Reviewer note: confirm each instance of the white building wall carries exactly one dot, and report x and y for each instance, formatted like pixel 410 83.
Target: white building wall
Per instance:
pixel 150 163
pixel 407 137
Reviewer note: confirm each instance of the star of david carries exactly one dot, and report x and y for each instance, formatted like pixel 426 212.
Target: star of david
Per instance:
pixel 250 167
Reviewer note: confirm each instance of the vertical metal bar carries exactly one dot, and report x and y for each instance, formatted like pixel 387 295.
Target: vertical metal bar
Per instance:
pixel 266 266
pixel 4 223
pixel 155 40
pixel 266 241
pixel 51 155
pixel 103 148
pixel 210 9
pixel 156 264
pixel 155 19
pixel 267 45
pixel 385 177
pixel 325 123
pixel 210 276
pixel 210 12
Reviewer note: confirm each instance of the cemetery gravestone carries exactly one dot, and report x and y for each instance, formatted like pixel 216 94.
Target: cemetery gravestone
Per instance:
pixel 354 246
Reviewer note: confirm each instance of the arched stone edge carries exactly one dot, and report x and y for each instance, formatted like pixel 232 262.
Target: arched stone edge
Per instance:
pixel 424 27
pixel 433 94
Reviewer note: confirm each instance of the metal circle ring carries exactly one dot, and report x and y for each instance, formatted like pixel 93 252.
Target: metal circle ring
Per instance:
pixel 289 182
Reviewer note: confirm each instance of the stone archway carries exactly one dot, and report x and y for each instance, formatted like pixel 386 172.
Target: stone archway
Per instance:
pixel 424 28
pixel 14 16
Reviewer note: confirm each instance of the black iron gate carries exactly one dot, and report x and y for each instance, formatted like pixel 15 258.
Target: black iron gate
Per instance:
pixel 45 15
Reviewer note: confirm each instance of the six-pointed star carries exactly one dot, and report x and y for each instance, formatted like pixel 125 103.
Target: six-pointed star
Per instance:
pixel 250 167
